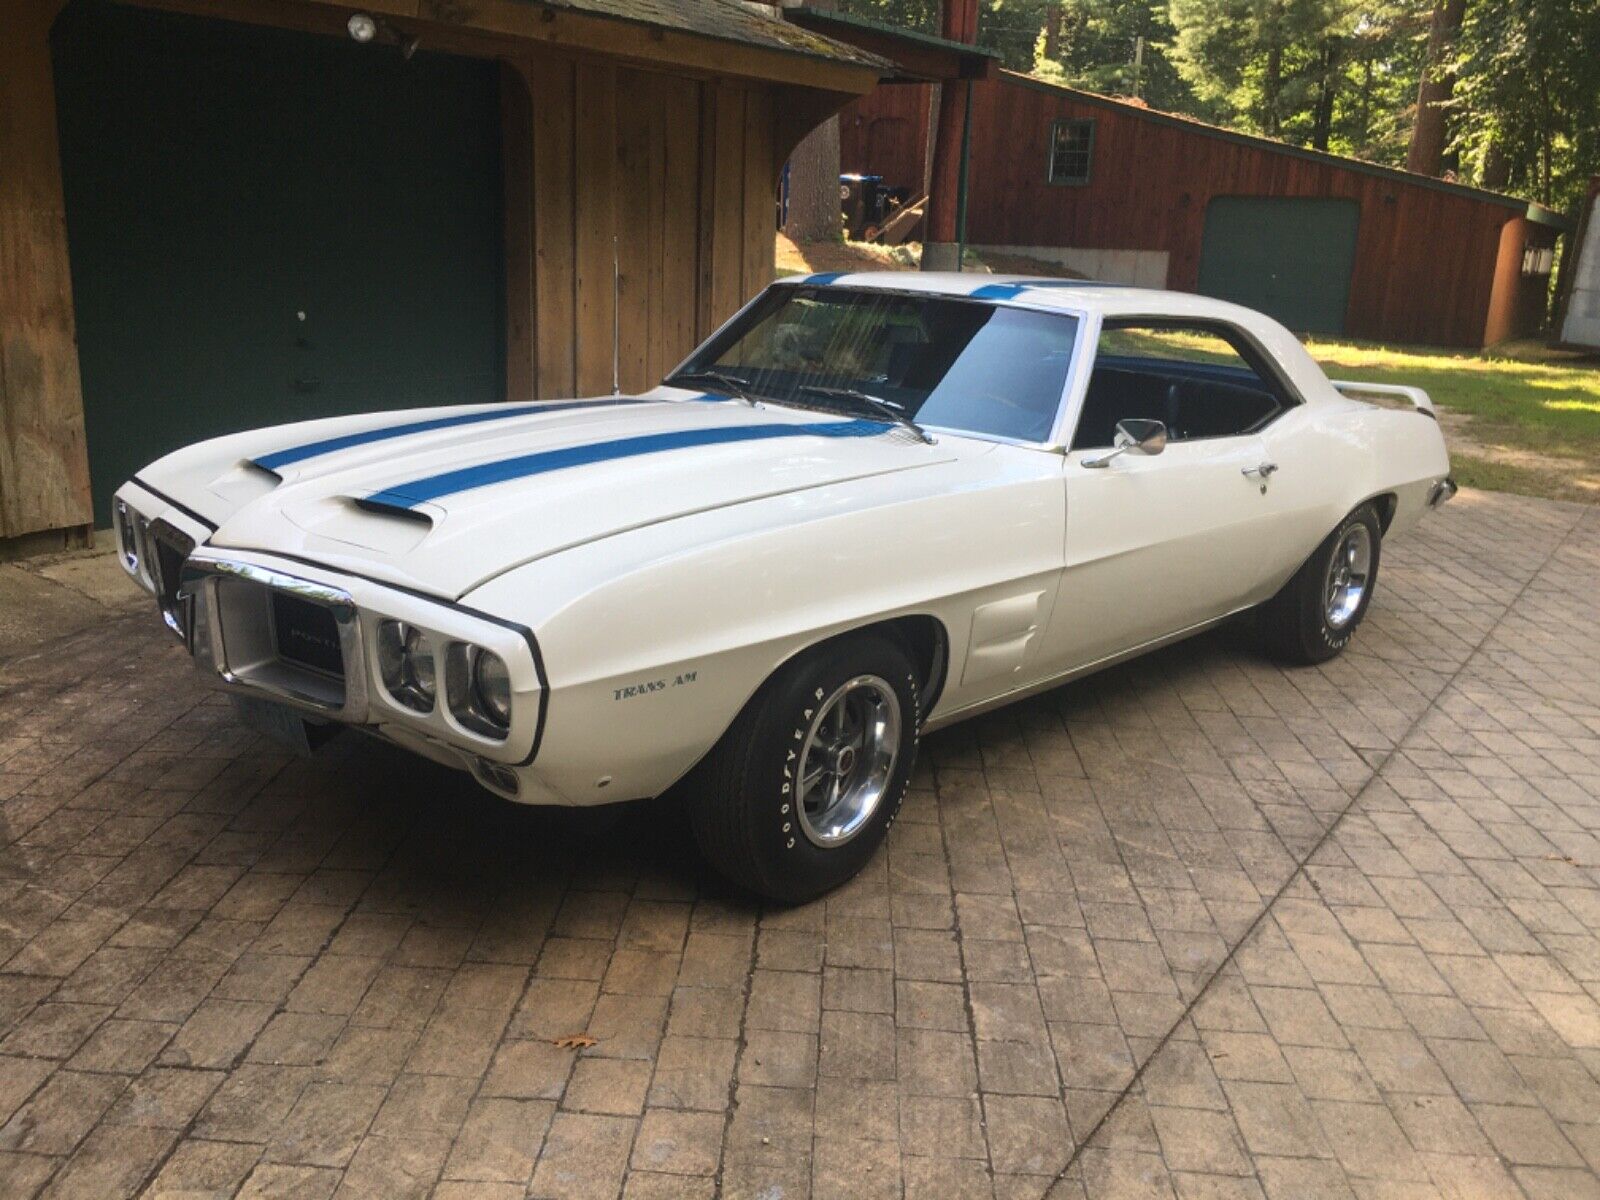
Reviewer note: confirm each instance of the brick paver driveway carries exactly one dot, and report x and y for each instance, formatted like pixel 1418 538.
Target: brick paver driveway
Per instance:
pixel 1196 927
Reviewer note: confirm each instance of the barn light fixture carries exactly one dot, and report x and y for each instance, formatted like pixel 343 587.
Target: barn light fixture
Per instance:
pixel 365 28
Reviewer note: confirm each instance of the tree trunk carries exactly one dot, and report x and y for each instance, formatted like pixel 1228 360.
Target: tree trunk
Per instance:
pixel 1322 118
pixel 1052 32
pixel 1271 85
pixel 1496 167
pixel 1429 135
pixel 814 210
pixel 815 213
pixel 1366 101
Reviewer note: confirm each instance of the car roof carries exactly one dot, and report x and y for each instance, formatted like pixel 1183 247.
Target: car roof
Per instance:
pixel 1110 299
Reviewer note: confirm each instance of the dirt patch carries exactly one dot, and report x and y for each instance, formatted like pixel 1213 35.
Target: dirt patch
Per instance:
pixel 796 258
pixel 1481 459
pixel 1021 264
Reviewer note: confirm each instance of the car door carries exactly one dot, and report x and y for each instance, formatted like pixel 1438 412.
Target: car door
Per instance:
pixel 1159 543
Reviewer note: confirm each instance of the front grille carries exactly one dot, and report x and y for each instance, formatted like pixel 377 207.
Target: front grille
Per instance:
pixel 306 634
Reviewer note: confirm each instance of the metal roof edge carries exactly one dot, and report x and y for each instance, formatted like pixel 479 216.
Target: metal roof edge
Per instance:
pixel 1532 210
pixel 824 16
pixel 829 50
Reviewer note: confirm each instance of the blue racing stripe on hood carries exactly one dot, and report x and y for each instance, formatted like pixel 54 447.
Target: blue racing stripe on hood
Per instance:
pixel 408 495
pixel 294 454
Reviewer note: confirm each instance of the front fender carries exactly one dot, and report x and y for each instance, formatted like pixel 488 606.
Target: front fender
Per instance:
pixel 654 639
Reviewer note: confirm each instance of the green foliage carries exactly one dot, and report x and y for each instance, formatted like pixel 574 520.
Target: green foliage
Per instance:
pixel 1529 91
pixel 1096 52
pixel 921 15
pixel 1340 75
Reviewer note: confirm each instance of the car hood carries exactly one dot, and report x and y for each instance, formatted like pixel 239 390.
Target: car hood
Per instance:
pixel 446 499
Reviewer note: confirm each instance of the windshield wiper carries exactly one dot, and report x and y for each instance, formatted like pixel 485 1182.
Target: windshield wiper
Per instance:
pixel 876 403
pixel 732 382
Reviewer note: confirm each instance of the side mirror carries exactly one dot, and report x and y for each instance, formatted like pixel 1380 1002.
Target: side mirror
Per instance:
pixel 1136 434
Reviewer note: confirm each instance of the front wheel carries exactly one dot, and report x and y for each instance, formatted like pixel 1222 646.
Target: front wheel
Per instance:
pixel 803 787
pixel 1313 617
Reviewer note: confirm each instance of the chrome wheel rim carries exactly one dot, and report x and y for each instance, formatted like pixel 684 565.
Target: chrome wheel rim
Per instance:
pixel 1349 572
pixel 847 760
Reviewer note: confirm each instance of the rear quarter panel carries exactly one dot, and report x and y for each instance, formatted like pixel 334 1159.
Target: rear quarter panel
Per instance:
pixel 1335 453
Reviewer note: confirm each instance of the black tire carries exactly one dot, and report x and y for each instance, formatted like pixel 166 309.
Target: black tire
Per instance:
pixel 1295 623
pixel 739 797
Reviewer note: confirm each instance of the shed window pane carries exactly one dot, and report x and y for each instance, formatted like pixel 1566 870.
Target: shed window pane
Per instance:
pixel 1071 149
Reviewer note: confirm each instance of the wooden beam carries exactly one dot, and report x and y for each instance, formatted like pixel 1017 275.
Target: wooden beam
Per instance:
pixel 645 44
pixel 513 28
pixel 595 142
pixel 555 241
pixel 44 465
pixel 516 166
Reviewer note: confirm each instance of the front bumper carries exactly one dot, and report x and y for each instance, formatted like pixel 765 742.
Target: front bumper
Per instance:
pixel 227 619
pixel 227 607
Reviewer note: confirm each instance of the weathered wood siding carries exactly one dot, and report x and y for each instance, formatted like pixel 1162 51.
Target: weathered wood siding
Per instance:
pixel 44 465
pixel 667 167
pixel 1426 258
pixel 674 179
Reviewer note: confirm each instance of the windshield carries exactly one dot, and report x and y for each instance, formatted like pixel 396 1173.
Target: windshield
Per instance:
pixel 957 364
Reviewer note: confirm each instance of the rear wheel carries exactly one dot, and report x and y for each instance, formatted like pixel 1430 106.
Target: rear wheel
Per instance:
pixel 800 791
pixel 1313 618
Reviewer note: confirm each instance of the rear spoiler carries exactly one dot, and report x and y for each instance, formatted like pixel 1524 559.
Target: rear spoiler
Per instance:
pixel 1388 395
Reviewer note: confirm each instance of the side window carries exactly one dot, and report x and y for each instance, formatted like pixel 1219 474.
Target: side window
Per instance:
pixel 1071 151
pixel 1201 381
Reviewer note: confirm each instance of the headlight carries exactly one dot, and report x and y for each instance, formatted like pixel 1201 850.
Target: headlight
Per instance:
pixel 491 684
pixel 480 689
pixel 132 541
pixel 130 547
pixel 405 661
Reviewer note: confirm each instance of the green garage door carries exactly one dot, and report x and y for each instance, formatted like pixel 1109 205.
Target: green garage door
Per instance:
pixel 1289 258
pixel 267 226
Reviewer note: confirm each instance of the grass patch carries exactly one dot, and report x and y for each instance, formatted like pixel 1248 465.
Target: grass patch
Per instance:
pixel 1549 404
pixel 1532 424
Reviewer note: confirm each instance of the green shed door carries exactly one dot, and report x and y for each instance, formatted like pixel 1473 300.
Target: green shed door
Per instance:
pixel 1289 258
pixel 267 226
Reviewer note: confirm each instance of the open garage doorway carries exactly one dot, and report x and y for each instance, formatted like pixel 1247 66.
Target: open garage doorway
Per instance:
pixel 267 226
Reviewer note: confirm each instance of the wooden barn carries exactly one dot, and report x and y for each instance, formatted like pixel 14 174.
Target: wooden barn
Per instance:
pixel 218 214
pixel 1113 190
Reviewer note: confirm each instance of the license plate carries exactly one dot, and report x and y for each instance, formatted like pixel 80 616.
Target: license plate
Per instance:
pixel 276 721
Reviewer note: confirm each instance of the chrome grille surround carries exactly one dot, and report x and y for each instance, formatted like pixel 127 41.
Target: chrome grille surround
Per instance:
pixel 228 609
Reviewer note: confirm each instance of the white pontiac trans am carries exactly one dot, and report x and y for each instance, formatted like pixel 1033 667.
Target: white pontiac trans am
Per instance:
pixel 868 506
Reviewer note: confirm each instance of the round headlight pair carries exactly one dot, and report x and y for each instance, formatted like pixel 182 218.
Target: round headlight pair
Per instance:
pixel 478 683
pixel 405 660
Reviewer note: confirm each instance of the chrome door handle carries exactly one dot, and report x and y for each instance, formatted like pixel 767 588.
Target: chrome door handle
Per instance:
pixel 1262 471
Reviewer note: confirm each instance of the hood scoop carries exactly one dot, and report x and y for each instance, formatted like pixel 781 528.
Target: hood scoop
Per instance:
pixel 244 482
pixel 370 524
pixel 396 512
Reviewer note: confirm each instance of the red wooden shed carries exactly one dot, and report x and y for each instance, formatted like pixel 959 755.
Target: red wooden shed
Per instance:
pixel 1113 190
